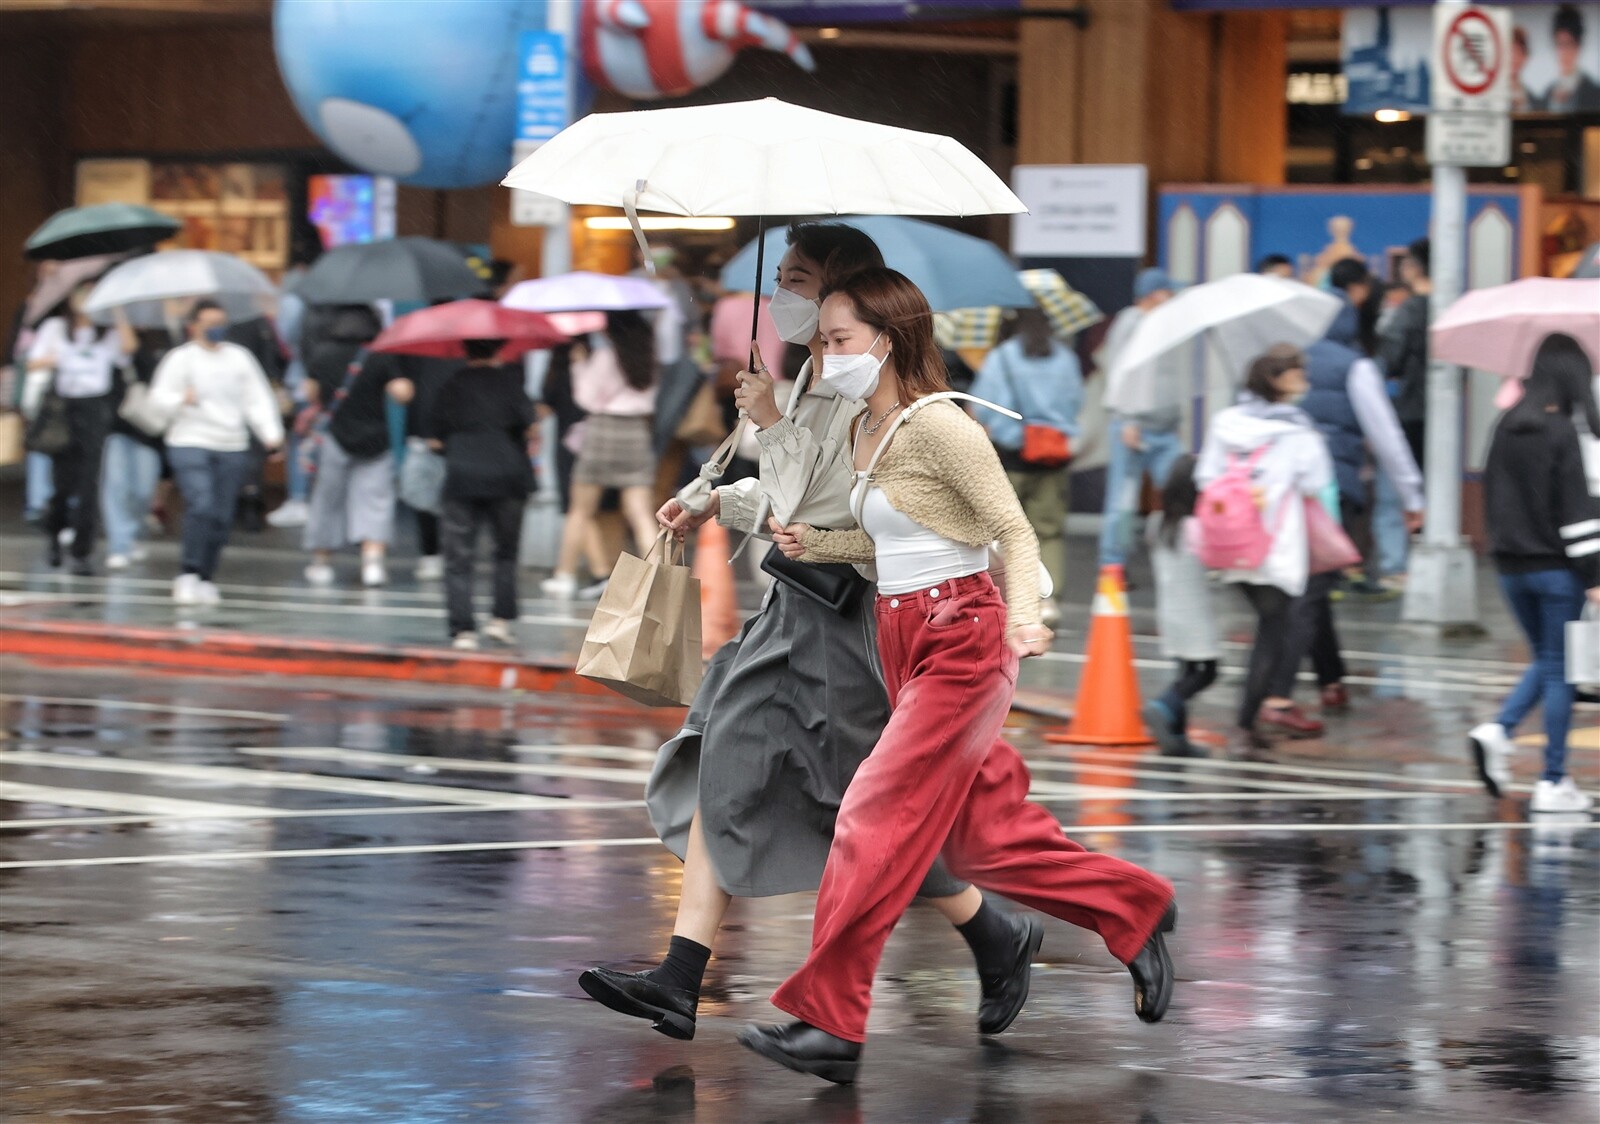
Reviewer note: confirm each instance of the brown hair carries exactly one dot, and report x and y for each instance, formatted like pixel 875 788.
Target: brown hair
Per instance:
pixel 891 304
pixel 1264 370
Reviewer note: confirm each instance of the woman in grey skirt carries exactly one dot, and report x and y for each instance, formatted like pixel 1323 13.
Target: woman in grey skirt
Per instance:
pixel 614 381
pixel 747 792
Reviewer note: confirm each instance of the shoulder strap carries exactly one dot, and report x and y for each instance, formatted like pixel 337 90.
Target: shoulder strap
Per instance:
pixel 904 415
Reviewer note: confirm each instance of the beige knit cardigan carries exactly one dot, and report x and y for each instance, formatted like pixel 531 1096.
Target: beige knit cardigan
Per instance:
pixel 941 471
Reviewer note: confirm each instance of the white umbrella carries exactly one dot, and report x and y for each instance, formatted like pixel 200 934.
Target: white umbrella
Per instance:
pixel 148 287
pixel 585 292
pixel 1239 317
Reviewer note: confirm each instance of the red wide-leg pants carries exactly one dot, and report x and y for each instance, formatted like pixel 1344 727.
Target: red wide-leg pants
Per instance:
pixel 941 780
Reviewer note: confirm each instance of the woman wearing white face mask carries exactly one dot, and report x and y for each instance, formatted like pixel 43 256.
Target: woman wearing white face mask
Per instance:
pixel 747 792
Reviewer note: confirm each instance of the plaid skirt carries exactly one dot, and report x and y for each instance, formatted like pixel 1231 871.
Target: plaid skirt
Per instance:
pixel 616 453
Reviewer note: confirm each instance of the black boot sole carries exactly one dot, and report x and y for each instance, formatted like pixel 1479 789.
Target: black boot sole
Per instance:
pixel 1152 1010
pixel 1480 758
pixel 839 1072
pixel 670 1023
pixel 1024 965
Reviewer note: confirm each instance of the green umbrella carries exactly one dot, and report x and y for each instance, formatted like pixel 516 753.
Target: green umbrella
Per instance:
pixel 105 228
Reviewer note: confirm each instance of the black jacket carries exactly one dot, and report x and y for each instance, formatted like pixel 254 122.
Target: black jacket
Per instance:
pixel 1540 513
pixel 482 415
pixel 1403 354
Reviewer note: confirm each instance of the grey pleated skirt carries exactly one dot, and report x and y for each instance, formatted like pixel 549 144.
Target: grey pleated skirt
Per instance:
pixel 616 453
pixel 787 712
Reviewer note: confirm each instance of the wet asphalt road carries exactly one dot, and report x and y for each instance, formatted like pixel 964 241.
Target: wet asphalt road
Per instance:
pixel 256 901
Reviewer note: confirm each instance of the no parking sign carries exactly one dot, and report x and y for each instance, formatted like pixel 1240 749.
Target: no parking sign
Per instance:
pixel 1470 124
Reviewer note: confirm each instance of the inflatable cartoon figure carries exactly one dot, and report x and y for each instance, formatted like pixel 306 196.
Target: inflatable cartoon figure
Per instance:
pixel 667 49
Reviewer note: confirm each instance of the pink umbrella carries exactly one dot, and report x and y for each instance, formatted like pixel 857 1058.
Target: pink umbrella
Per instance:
pixel 1500 328
pixel 440 330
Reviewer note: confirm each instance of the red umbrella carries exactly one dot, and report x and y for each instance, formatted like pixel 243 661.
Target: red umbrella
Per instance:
pixel 439 331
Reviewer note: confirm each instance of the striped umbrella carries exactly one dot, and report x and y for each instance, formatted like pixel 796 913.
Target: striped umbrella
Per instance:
pixel 1068 310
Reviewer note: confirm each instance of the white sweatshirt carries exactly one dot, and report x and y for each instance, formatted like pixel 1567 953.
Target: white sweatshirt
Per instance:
pixel 234 399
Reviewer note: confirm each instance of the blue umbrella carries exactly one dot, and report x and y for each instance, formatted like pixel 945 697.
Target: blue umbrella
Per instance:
pixel 952 269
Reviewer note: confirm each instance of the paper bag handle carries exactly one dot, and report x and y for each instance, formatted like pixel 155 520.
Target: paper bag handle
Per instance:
pixel 669 548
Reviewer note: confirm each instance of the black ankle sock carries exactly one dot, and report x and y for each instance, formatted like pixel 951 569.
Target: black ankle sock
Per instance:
pixel 684 967
pixel 991 935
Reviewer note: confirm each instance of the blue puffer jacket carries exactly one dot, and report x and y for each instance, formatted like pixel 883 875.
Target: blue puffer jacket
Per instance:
pixel 1328 363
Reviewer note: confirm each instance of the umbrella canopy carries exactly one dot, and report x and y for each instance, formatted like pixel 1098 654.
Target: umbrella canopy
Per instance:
pixel 104 228
pixel 418 270
pixel 440 330
pixel 1239 316
pixel 586 292
pixel 762 157
pixel 1500 328
pixel 58 279
pixel 144 286
pixel 1068 310
pixel 952 269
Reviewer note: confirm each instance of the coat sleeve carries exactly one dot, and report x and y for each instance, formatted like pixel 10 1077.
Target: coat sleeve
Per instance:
pixel 260 407
pixel 1213 461
pixel 1578 512
pixel 854 545
pixel 168 384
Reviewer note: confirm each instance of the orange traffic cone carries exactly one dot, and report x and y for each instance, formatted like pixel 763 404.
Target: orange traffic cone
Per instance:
pixel 719 607
pixel 1108 695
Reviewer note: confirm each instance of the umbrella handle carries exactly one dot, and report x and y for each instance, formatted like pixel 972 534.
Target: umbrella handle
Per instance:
pixel 630 207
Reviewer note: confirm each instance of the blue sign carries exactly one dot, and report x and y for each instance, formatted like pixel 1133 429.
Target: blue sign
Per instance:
pixel 544 105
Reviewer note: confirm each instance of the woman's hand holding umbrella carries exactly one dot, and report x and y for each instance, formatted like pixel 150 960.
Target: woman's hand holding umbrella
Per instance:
pixel 756 396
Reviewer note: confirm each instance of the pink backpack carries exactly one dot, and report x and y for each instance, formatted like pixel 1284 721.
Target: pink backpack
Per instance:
pixel 1233 534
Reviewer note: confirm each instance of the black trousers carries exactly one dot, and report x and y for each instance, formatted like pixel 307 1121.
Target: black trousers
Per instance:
pixel 427 533
pixel 1271 650
pixel 1194 676
pixel 459 524
pixel 1312 632
pixel 76 500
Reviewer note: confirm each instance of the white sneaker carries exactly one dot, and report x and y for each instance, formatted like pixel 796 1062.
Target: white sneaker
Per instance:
pixel 293 513
pixel 594 592
pixel 209 594
pixel 186 589
pixel 430 568
pixel 1560 796
pixel 1491 752
pixel 66 536
pixel 373 574
pixel 500 631
pixel 563 587
pixel 319 574
pixel 117 561
pixel 465 642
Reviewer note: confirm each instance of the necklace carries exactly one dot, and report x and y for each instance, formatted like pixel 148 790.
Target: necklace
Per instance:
pixel 869 428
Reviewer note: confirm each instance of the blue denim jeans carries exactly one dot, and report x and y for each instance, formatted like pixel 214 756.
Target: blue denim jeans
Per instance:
pixel 1391 540
pixel 210 482
pixel 128 480
pixel 1543 602
pixel 41 484
pixel 1124 472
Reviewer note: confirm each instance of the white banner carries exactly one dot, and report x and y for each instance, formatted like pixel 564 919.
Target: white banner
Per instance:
pixel 1080 210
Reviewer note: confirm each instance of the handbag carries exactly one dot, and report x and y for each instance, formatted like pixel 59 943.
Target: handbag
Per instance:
pixel 1583 647
pixel 1329 547
pixel 1043 446
pixel 13 439
pixel 702 422
pixel 836 585
pixel 50 432
pixel 136 409
pixel 644 638
pixel 422 477
pixel 310 448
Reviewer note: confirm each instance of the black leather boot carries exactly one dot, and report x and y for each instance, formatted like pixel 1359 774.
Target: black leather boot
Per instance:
pixel 1004 994
pixel 805 1049
pixel 671 1010
pixel 1152 971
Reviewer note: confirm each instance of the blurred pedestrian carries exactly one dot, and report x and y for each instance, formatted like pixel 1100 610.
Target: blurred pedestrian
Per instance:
pixel 1142 443
pixel 79 360
pixel 1270 447
pixel 215 396
pixel 1276 265
pixel 291 325
pixel 614 381
pixel 1403 355
pixel 133 459
pixel 353 490
pixel 1544 535
pixel 1185 616
pixel 480 419
pixel 1034 374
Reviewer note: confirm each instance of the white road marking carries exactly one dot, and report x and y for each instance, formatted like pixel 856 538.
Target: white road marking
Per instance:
pixel 1339 774
pixel 164 806
pixel 261 778
pixel 452 764
pixel 248 813
pixel 651 841
pixel 1190 776
pixel 159 708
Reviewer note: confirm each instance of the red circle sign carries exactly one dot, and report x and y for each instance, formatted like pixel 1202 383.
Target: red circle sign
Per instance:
pixel 1473 53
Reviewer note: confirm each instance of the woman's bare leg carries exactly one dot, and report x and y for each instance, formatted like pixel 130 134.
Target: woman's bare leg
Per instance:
pixel 960 908
pixel 702 903
pixel 580 516
pixel 638 507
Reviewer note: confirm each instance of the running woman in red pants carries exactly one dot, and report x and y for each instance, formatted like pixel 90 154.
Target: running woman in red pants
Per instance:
pixel 940 780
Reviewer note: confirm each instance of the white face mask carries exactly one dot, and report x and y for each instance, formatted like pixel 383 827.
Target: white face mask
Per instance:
pixel 854 376
pixel 794 316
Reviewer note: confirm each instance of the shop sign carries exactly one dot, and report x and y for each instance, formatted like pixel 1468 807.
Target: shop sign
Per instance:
pixel 543 99
pixel 1080 210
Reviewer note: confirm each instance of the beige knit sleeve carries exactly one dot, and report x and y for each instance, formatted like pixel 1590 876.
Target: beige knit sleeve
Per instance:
pixel 970 467
pixel 854 545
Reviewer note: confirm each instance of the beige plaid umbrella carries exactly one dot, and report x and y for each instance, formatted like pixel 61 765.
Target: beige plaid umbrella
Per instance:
pixel 1068 310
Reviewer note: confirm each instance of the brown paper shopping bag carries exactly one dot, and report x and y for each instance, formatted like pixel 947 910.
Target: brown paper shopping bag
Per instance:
pixel 644 640
pixel 13 432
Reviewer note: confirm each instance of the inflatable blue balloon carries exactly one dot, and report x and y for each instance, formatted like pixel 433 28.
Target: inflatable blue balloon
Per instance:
pixel 421 90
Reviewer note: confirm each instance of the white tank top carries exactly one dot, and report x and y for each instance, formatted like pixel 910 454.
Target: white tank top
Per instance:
pixel 910 556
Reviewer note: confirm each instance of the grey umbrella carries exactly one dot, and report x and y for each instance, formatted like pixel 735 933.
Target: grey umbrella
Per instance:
pixel 418 270
pixel 105 228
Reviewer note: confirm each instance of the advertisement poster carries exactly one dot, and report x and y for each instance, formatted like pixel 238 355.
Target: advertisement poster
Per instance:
pixel 1555 58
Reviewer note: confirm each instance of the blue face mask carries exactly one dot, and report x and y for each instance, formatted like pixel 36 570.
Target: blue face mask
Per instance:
pixel 216 335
